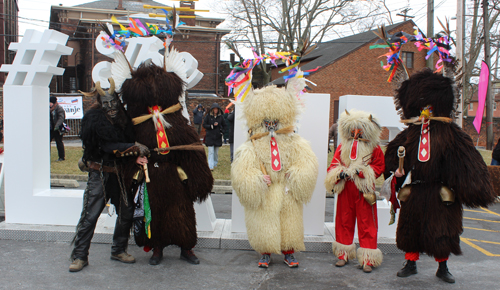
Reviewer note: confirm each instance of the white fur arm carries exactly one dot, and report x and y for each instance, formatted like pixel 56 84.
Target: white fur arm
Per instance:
pixel 333 183
pixel 303 173
pixel 363 176
pixel 247 178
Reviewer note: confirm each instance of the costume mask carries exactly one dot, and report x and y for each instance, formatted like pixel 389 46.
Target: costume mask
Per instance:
pixel 110 105
pixel 109 100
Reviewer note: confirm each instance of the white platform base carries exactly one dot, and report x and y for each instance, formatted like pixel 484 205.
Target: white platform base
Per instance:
pixel 220 238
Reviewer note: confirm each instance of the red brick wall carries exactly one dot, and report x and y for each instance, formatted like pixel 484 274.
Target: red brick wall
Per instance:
pixel 204 48
pixel 469 128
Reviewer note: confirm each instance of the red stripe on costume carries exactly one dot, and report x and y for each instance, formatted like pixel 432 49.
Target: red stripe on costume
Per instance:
pixel 412 256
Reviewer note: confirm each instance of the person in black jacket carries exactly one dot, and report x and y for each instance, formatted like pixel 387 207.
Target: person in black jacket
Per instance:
pixel 108 143
pixel 214 125
pixel 495 155
pixel 198 117
pixel 230 125
pixel 57 116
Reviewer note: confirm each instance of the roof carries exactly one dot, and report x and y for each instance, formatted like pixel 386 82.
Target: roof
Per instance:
pixel 130 5
pixel 328 52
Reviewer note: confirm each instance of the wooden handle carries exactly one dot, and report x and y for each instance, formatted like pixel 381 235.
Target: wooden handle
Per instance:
pixel 401 155
pixel 146 172
pixel 262 167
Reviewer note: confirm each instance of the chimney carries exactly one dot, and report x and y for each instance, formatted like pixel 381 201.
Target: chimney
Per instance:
pixel 231 58
pixel 188 21
pixel 120 5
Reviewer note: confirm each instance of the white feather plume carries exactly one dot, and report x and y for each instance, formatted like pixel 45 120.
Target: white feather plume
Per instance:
pixel 120 70
pixel 175 63
pixel 296 84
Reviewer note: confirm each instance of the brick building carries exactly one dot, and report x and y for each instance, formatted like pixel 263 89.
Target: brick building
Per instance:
pixel 199 36
pixel 9 31
pixel 350 67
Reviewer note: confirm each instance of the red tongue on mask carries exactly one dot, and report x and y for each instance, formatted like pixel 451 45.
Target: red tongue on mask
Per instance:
pixel 275 155
pixel 354 150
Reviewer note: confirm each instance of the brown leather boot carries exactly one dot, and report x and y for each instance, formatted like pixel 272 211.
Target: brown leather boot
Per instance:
pixel 157 256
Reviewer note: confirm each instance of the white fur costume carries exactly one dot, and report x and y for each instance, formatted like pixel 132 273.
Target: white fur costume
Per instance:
pixel 273 214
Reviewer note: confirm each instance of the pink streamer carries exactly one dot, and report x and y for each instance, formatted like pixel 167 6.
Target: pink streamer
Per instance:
pixel 481 95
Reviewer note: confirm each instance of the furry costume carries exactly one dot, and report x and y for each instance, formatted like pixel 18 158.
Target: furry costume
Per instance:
pixel 357 163
pixel 171 200
pixel 273 214
pixel 426 224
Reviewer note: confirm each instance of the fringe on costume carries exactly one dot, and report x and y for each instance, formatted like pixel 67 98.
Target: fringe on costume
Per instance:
pixel 332 181
pixel 372 257
pixel 348 251
pixel 366 184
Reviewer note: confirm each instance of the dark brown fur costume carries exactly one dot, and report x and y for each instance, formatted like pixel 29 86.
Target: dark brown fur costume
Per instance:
pixel 171 201
pixel 425 223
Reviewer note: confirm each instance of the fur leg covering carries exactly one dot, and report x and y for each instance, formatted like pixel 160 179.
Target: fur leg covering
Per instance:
pixel 348 251
pixel 292 225
pixel 371 257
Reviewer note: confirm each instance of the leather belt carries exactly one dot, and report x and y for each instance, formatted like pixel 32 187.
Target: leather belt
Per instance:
pixel 97 166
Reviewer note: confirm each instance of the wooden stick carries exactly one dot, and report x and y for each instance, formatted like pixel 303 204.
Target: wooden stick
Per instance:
pixel 146 172
pixel 262 167
pixel 401 155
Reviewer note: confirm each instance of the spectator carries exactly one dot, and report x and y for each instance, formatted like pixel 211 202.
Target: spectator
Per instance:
pixel 57 116
pixel 226 131
pixel 332 134
pixel 495 155
pixel 214 126
pixel 230 125
pixel 198 117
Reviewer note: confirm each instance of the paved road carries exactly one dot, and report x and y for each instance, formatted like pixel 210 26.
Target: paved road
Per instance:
pixel 44 265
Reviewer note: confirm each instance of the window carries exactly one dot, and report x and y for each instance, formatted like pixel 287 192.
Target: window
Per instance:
pixel 72 85
pixel 407 58
pixel 471 107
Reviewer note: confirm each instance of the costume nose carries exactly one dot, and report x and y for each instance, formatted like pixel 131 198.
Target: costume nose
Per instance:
pixel 357 132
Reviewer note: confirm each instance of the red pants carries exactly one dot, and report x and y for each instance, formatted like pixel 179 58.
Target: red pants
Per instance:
pixel 352 206
pixel 414 256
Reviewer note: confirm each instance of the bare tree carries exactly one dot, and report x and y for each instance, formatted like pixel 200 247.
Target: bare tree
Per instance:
pixel 474 43
pixel 286 25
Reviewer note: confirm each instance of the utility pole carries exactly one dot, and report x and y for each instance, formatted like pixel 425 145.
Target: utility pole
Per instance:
pixel 430 28
pixel 404 13
pixel 461 57
pixel 489 101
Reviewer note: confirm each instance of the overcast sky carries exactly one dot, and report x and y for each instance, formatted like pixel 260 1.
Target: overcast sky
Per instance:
pixel 34 14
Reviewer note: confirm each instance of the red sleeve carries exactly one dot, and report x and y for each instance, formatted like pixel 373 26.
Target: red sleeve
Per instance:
pixel 377 162
pixel 336 158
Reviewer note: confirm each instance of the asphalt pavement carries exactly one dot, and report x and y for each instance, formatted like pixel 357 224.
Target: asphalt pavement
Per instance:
pixel 44 265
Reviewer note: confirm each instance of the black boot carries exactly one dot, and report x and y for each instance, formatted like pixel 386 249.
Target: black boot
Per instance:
pixel 189 256
pixel 443 273
pixel 409 269
pixel 157 256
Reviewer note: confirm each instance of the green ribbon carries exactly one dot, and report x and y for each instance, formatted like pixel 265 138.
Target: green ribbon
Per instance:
pixel 147 212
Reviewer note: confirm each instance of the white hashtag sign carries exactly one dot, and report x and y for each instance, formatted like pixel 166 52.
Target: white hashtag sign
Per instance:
pixel 36 59
pixel 138 50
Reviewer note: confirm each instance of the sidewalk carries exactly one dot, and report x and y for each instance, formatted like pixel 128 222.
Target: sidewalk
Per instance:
pixel 44 265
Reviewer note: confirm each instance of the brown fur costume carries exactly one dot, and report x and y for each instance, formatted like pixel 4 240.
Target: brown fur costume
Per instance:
pixel 171 201
pixel 425 223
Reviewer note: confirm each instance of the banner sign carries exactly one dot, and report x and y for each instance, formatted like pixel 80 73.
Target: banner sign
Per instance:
pixel 73 106
pixel 484 78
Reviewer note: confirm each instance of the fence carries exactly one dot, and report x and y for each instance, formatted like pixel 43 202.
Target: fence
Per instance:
pixel 74 124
